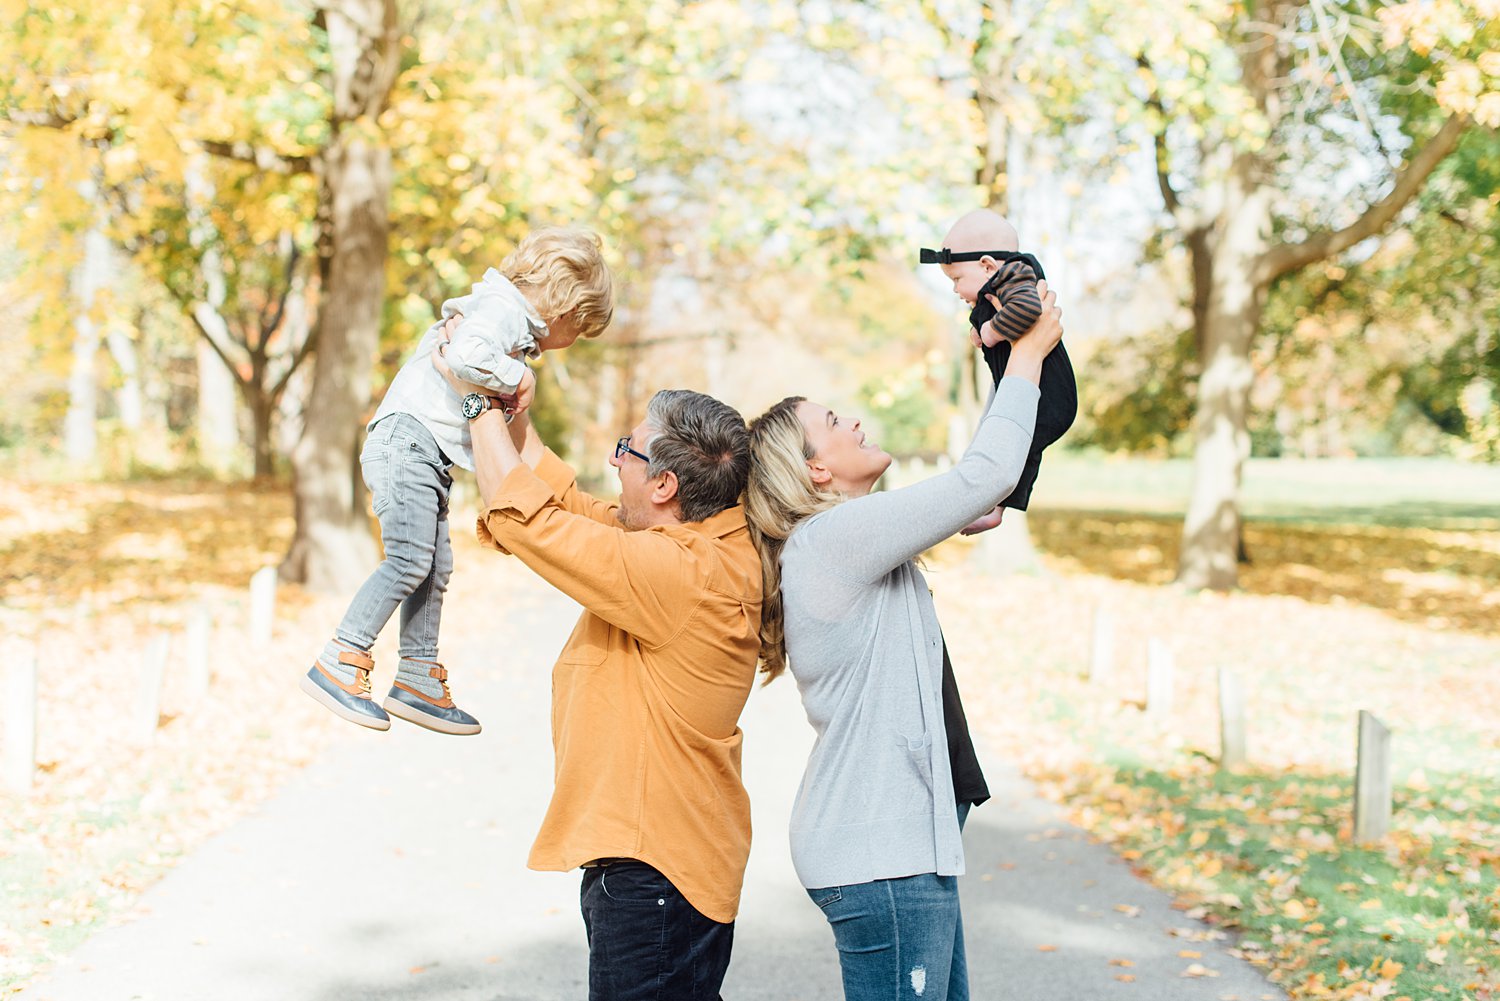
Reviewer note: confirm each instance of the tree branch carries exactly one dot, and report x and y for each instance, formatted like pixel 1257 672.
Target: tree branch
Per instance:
pixel 303 350
pixel 1289 257
pixel 1169 196
pixel 263 157
pixel 213 341
pixel 268 327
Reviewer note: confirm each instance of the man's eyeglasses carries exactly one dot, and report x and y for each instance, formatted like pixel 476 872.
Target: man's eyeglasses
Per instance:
pixel 623 445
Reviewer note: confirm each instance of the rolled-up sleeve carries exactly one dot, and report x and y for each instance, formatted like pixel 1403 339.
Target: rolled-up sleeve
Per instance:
pixel 522 494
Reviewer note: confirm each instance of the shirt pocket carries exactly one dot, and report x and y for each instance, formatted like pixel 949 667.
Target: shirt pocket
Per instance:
pixel 589 644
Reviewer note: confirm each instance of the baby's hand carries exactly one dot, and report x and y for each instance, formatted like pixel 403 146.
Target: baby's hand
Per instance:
pixel 984 522
pixel 989 335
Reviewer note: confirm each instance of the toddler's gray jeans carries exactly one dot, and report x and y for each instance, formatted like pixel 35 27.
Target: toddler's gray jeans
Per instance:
pixel 408 477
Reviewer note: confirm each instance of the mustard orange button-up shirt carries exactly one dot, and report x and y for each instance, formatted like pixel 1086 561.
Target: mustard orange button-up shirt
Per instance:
pixel 647 692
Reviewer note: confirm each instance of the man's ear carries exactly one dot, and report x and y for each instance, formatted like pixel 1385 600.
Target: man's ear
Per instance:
pixel 821 477
pixel 664 488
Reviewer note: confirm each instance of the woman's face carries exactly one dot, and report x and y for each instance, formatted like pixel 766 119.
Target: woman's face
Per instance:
pixel 843 458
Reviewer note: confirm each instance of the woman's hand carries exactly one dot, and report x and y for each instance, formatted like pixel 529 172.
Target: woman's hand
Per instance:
pixel 1034 345
pixel 1047 331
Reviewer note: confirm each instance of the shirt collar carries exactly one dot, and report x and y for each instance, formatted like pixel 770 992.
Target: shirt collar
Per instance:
pixel 726 522
pixel 493 277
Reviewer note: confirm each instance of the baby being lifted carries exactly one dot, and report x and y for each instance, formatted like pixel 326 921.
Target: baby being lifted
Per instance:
pixel 981 257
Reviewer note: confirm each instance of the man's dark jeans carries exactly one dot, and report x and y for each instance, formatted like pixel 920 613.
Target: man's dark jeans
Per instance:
pixel 647 943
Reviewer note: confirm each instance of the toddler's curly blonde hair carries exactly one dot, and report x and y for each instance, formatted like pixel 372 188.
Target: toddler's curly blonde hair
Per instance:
pixel 561 269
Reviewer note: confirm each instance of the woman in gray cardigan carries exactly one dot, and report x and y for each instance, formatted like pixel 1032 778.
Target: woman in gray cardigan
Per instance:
pixel 875 828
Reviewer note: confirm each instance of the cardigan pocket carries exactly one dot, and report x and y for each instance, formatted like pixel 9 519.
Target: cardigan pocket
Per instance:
pixel 920 750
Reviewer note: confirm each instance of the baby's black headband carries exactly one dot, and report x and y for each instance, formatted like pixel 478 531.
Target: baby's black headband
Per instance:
pixel 946 256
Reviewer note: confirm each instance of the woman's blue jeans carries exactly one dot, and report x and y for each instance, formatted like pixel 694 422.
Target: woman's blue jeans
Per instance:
pixel 899 938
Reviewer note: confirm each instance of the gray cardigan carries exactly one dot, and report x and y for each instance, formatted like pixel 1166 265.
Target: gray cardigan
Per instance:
pixel 876 800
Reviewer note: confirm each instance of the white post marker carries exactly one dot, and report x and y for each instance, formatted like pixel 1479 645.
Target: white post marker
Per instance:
pixel 1232 752
pixel 262 606
pixel 1102 657
pixel 195 657
pixel 1372 781
pixel 148 690
pixel 20 717
pixel 1158 678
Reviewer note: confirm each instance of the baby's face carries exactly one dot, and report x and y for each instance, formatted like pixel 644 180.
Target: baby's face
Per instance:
pixel 968 277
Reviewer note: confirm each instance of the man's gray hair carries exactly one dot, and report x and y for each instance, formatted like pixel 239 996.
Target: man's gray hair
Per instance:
pixel 705 442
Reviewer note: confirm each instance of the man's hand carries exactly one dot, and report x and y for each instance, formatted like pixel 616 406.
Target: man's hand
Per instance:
pixel 440 362
pixel 515 403
pixel 984 522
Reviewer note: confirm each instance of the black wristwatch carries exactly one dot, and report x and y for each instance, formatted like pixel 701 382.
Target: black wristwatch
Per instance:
pixel 475 404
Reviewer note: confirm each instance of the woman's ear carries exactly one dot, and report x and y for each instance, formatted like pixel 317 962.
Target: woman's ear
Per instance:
pixel 819 473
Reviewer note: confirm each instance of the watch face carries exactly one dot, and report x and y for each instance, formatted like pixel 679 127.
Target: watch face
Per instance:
pixel 473 406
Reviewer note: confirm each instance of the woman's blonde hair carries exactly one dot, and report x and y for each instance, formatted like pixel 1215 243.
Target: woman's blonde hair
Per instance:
pixel 779 495
pixel 561 269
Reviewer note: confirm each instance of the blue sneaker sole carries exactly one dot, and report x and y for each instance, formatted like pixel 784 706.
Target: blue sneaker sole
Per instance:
pixel 335 700
pixel 428 721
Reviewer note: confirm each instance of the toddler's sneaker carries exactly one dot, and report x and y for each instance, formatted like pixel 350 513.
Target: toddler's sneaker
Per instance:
pixel 350 699
pixel 420 695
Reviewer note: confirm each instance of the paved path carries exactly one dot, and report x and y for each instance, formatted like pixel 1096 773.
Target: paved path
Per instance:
pixel 395 869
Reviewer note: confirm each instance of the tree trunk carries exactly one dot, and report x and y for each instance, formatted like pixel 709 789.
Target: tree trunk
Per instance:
pixel 218 430
pixel 128 400
pixel 217 419
pixel 332 549
pixel 80 436
pixel 1211 532
pixel 262 410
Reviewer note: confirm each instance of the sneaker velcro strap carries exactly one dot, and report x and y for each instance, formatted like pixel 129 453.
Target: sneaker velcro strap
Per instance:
pixel 357 659
pixel 439 673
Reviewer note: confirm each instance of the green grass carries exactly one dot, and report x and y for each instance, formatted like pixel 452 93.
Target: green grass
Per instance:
pixel 1431 493
pixel 1267 853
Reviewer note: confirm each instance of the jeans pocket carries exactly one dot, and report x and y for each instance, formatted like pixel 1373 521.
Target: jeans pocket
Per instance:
pixel 635 883
pixel 375 466
pixel 827 896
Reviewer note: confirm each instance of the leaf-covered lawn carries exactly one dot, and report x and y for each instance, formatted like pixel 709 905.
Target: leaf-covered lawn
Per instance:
pixel 1265 851
pixel 1440 578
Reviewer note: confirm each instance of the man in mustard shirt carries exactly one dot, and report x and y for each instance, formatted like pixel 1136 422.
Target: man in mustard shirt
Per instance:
pixel 647 692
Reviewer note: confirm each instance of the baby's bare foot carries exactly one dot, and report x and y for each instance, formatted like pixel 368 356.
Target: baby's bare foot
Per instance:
pixel 983 523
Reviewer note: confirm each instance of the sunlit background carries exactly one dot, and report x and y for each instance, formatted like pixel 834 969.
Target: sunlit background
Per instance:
pixel 1272 227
